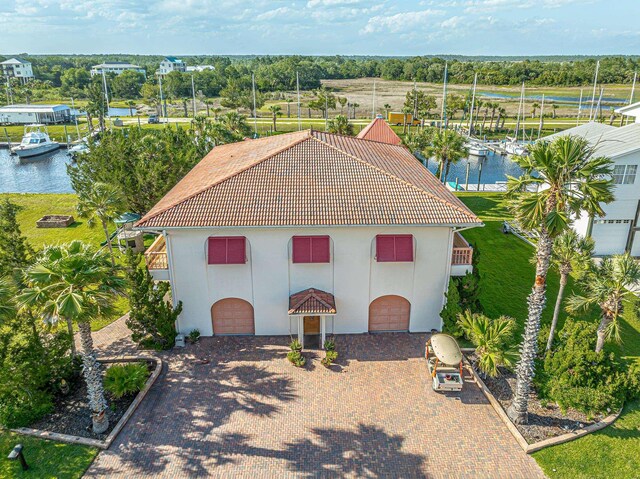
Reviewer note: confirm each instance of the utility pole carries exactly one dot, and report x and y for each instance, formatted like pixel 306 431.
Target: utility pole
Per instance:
pixel 255 113
pixel 75 117
pixel 593 96
pixel 298 90
pixel 163 105
pixel 373 102
pixel 193 93
pixel 541 113
pixel 106 94
pixel 443 116
pixel 473 104
pixel 579 108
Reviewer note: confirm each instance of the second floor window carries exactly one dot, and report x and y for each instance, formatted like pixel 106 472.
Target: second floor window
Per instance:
pixel 624 174
pixel 311 249
pixel 226 250
pixel 394 248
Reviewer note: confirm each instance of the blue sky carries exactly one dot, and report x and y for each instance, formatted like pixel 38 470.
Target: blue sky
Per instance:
pixel 349 27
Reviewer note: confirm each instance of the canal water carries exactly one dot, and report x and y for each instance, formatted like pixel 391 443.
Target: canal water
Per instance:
pixel 48 173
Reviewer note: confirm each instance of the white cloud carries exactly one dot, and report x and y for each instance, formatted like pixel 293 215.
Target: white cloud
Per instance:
pixel 330 3
pixel 400 22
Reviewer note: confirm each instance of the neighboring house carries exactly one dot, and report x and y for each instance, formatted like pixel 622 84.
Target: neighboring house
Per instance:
pixel 171 64
pixel 309 232
pixel 379 130
pixel 116 67
pixel 618 230
pixel 632 110
pixel 200 68
pixel 25 114
pixel 17 68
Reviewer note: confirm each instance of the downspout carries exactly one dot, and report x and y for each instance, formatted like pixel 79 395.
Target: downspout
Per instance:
pixel 174 294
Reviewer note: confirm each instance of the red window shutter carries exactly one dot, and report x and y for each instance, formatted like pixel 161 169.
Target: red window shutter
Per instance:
pixel 404 248
pixel 236 250
pixel 394 248
pixel 320 251
pixel 227 250
pixel 217 251
pixel 301 249
pixel 385 248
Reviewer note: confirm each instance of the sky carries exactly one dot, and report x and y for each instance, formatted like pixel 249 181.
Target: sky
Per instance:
pixel 318 27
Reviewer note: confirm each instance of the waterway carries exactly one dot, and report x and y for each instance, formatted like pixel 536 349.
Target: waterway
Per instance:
pixel 495 169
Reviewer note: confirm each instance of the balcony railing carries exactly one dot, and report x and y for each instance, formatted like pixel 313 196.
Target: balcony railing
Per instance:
pixel 156 255
pixel 462 253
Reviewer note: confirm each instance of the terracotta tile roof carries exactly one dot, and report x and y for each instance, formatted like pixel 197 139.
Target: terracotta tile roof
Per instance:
pixel 308 178
pixel 312 301
pixel 379 130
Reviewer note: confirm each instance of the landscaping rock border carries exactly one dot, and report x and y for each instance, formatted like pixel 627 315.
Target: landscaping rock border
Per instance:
pixel 522 442
pixel 121 423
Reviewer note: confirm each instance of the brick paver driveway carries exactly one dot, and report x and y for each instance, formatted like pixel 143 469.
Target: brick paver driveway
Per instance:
pixel 234 407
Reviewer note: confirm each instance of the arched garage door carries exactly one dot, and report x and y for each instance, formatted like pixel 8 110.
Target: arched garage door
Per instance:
pixel 232 316
pixel 389 313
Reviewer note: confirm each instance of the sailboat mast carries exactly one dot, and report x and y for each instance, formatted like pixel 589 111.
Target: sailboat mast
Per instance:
pixel 373 101
pixel 633 90
pixel 541 116
pixel 579 108
pixel 193 94
pixel 598 112
pixel 593 95
pixel 443 116
pixel 106 95
pixel 473 102
pixel 298 90
pixel 520 104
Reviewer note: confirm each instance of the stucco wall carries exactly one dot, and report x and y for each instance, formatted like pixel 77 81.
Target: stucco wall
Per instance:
pixel 269 277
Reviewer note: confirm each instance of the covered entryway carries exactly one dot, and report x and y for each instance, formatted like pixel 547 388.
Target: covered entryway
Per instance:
pixel 311 308
pixel 389 313
pixel 232 316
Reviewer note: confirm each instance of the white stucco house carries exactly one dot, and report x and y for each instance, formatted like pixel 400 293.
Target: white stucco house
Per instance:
pixel 17 68
pixel 618 231
pixel 309 233
pixel 116 68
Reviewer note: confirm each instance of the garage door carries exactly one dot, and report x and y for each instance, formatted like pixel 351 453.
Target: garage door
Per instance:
pixel 611 236
pixel 389 313
pixel 232 316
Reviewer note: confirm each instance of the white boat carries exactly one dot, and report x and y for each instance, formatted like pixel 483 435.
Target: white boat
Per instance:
pixel 477 149
pixel 78 148
pixel 34 143
pixel 515 148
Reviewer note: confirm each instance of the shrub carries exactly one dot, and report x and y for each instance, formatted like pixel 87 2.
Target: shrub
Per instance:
pixel 295 345
pixel 330 356
pixel 451 310
pixel 575 376
pixel 125 379
pixel 493 339
pixel 296 358
pixel 194 335
pixel 330 345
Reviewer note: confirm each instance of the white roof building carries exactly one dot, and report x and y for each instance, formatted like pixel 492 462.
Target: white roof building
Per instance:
pixel 619 230
pixel 200 68
pixel 632 110
pixel 15 67
pixel 116 67
pixel 26 114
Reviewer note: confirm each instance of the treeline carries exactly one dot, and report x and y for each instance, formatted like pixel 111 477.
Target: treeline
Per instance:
pixel 278 73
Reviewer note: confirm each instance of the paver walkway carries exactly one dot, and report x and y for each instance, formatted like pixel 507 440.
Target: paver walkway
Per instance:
pixel 235 407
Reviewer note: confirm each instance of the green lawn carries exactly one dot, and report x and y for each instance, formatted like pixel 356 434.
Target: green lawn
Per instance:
pixel 507 277
pixel 35 206
pixel 46 459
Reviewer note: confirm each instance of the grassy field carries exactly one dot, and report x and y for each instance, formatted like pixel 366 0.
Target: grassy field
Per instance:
pixel 507 277
pixel 35 206
pixel 46 459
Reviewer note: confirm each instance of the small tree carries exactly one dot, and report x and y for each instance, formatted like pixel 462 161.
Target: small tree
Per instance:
pixel 15 252
pixel 451 310
pixel 152 319
pixel 340 125
pixel 275 113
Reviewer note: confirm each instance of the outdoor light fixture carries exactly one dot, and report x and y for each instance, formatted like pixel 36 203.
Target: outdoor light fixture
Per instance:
pixel 17 454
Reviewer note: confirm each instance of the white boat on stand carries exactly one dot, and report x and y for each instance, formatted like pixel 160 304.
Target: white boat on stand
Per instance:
pixel 477 149
pixel 34 142
pixel 514 148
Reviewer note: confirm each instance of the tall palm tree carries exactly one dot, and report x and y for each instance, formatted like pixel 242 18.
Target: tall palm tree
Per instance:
pixel 275 112
pixel 606 284
pixel 570 253
pixel 342 100
pixel 387 107
pixel 340 124
pixel 494 106
pixel 130 105
pixel 570 182
pixel 77 283
pixel 534 106
pixel 447 147
pixel 102 203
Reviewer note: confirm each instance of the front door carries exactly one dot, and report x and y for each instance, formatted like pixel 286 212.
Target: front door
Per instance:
pixel 311 325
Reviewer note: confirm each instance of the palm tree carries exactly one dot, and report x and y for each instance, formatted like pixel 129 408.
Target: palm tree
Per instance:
pixel 494 106
pixel 573 182
pixel 570 253
pixel 534 106
pixel 340 124
pixel 607 286
pixel 235 122
pixel 275 112
pixel 447 147
pixel 75 282
pixel 130 105
pixel 355 106
pixel 502 115
pixel 342 100
pixel 102 203
pixel 387 108
pixel 406 112
pixel 208 103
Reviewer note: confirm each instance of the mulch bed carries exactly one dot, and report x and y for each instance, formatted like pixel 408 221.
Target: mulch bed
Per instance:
pixel 72 415
pixel 545 421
